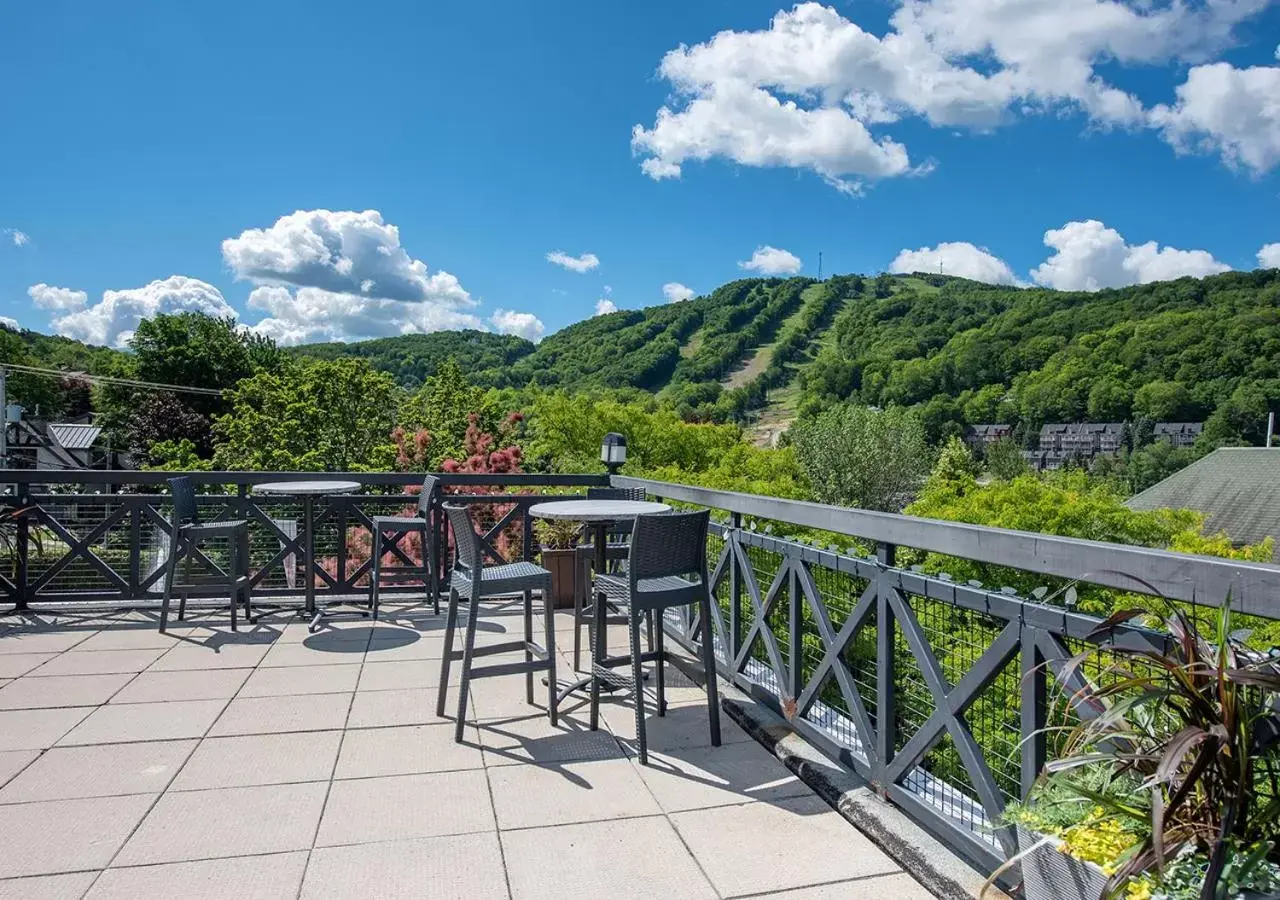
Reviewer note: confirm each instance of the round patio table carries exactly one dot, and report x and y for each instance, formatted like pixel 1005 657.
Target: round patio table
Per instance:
pixel 308 491
pixel 599 514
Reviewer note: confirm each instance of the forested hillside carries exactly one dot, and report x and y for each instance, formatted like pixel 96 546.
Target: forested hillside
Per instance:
pixel 1189 349
pixel 960 351
pixel 411 358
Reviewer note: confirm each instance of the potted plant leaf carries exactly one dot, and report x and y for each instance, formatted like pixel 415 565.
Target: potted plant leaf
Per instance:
pixel 1069 845
pixel 559 541
pixel 1191 735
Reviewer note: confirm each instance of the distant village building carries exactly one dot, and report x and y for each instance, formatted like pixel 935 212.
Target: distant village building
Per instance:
pixel 1044 460
pixel 979 437
pixel 37 444
pixel 1083 439
pixel 1179 434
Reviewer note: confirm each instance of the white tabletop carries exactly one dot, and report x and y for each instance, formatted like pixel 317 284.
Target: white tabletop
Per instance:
pixel 596 510
pixel 308 487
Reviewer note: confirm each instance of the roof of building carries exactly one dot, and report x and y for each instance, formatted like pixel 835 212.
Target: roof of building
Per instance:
pixel 74 437
pixel 1237 488
pixel 1175 427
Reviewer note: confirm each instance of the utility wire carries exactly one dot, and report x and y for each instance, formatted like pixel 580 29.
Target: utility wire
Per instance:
pixel 107 379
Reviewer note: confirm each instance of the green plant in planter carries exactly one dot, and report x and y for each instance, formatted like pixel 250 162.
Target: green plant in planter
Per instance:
pixel 1198 726
pixel 559 539
pixel 1247 873
pixel 558 534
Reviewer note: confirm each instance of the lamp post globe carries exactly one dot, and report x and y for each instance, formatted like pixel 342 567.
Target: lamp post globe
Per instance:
pixel 613 452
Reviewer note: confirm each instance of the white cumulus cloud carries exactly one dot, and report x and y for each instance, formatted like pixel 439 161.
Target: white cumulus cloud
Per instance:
pixel 112 320
pixel 675 292
pixel 955 258
pixel 339 276
pixel 584 263
pixel 1269 256
pixel 306 315
pixel 11 324
pixel 815 91
pixel 341 252
pixel 19 238
pixel 772 261
pixel 1089 256
pixel 46 296
pixel 604 306
pixel 526 325
pixel 1225 110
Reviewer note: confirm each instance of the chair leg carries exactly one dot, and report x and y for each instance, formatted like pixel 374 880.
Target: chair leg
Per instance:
pixel 450 622
pixel 170 573
pixel 248 587
pixel 648 624
pixel 709 670
pixel 473 613
pixel 549 610
pixel 186 577
pixel 637 685
pixel 528 639
pixel 429 571
pixel 597 653
pixel 375 573
pixel 581 587
pixel 233 580
pixel 660 671
pixel 433 554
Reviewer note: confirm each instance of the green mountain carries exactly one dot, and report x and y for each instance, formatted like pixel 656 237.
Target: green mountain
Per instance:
pixel 412 357
pixel 762 351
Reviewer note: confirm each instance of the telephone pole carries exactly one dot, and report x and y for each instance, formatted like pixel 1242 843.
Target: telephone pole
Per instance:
pixel 819 265
pixel 4 423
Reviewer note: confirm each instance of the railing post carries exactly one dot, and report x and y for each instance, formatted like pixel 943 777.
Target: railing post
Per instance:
pixel 886 673
pixel 135 552
pixel 795 635
pixel 1034 709
pixel 23 546
pixel 526 522
pixel 735 594
pixel 341 571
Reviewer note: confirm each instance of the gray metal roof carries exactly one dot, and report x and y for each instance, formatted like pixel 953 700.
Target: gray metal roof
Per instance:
pixel 75 437
pixel 1237 488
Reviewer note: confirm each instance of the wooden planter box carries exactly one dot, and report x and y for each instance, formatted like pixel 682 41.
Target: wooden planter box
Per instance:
pixel 1048 874
pixel 563 566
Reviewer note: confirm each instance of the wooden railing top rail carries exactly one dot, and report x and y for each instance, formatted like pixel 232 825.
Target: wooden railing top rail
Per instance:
pixel 1252 587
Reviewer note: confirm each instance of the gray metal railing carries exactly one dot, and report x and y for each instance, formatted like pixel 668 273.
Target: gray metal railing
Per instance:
pixel 936 692
pixel 78 546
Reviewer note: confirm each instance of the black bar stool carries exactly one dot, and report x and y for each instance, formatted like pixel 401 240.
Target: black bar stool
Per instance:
pixel 666 568
pixel 395 527
pixel 186 534
pixel 475 581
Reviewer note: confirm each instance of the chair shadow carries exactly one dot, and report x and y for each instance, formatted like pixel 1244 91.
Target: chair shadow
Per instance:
pixel 759 779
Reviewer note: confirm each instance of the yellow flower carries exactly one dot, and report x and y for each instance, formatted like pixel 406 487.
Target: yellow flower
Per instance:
pixel 1138 890
pixel 1098 840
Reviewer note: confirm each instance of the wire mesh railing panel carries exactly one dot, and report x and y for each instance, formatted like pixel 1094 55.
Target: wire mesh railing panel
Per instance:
pixel 765 565
pixel 958 638
pixel 75 548
pixel 840 593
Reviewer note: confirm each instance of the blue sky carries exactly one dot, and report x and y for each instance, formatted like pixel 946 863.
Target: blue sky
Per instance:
pixel 140 137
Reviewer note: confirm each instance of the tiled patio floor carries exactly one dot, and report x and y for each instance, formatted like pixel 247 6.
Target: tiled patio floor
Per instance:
pixel 277 764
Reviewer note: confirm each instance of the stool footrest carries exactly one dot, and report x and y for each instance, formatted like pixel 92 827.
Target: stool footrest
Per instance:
pixel 511 668
pixel 415 571
pixel 614 662
pixel 506 647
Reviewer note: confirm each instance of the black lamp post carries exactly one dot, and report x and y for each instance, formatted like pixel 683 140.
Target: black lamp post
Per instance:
pixel 613 452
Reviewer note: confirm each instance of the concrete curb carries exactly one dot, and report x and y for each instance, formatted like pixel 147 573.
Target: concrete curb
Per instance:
pixel 919 854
